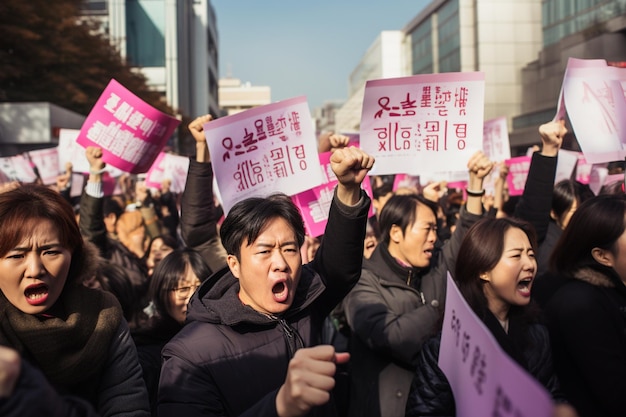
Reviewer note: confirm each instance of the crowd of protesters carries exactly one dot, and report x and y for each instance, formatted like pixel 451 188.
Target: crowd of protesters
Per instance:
pixel 152 303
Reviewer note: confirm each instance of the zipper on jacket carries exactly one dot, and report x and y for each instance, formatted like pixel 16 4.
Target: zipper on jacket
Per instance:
pixel 291 335
pixel 408 279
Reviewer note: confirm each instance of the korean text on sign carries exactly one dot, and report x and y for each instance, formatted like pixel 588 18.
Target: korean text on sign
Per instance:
pixel 423 123
pixel 264 150
pixel 130 132
pixel 485 381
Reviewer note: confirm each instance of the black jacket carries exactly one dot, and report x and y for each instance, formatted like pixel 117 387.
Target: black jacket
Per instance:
pixel 230 360
pixel 392 311
pixel 587 323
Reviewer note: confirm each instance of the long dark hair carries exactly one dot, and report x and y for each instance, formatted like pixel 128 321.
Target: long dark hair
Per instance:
pixel 480 252
pixel 597 223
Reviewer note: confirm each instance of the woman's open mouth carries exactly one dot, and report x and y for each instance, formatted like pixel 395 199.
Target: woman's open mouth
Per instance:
pixel 36 294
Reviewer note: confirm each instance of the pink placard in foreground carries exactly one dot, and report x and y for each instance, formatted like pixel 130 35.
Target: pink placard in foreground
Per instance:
pixel 485 381
pixel 130 132
pixel 314 204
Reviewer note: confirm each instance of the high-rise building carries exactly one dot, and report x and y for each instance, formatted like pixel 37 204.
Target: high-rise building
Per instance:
pixel 174 43
pixel 497 37
pixel 385 58
pixel 586 29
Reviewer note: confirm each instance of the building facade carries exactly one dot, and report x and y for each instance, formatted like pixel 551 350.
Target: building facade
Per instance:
pixel 235 96
pixel 585 29
pixel 385 58
pixel 174 43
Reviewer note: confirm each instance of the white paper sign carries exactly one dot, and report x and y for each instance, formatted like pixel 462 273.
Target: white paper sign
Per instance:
pixel 264 150
pixel 496 144
pixel 423 123
pixel 47 163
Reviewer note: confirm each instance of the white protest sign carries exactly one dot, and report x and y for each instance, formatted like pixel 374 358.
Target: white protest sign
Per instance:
pixel 574 63
pixel 18 168
pixel 595 104
pixel 485 381
pixel 565 165
pixel 47 163
pixel 496 144
pixel 70 151
pixel 264 150
pixel 171 167
pixel 423 123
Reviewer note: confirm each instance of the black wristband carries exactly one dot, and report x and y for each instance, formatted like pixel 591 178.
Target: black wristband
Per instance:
pixel 473 193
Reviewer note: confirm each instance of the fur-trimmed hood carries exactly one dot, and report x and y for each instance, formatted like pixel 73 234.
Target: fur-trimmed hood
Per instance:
pixel 86 263
pixel 597 278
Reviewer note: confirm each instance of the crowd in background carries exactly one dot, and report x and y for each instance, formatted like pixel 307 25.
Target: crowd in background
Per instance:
pixel 148 302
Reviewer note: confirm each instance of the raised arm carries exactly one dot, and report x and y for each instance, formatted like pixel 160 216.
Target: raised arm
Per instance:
pixel 536 201
pixel 198 220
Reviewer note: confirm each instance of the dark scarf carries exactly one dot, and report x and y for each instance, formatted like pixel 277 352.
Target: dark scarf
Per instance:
pixel 515 342
pixel 70 347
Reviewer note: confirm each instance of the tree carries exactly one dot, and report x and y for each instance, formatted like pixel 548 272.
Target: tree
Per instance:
pixel 47 53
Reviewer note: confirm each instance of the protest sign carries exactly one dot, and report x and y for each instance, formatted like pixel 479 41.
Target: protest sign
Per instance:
pixel 314 204
pixel 264 150
pixel 496 144
pixel 485 381
pixel 423 123
pixel 130 132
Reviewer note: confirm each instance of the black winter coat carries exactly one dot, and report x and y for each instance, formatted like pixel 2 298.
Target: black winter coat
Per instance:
pixel 230 360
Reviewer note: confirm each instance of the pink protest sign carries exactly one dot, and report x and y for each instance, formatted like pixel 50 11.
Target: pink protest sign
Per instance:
pixel 314 204
pixel 496 143
pixel 171 167
pixel 130 132
pixel 423 123
pixel 518 172
pixel 47 163
pixel 595 104
pixel 264 150
pixel 485 381
pixel 583 169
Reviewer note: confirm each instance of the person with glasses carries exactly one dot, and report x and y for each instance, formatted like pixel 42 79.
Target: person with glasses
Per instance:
pixel 175 279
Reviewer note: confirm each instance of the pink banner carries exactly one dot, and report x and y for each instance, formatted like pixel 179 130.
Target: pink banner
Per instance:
pixel 171 167
pixel 518 172
pixel 484 379
pixel 130 132
pixel 423 123
pixel 314 204
pixel 264 150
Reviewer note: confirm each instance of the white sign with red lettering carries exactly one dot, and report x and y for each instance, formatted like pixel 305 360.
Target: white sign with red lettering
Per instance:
pixel 496 145
pixel 264 150
pixel 423 123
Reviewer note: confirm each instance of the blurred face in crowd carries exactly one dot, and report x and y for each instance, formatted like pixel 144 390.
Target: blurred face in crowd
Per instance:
pixel 179 296
pixel 414 246
pixel 510 281
pixel 158 250
pixel 269 268
pixel 34 272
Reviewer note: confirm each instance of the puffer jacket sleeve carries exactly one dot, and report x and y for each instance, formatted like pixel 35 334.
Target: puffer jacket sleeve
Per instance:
pixel 430 393
pixel 198 219
pixel 122 388
pixel 33 396
pixel 340 256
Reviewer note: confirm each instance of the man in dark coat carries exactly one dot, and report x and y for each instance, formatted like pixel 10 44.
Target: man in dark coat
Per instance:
pixel 249 345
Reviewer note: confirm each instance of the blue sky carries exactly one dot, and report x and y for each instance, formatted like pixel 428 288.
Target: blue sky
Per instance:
pixel 303 47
